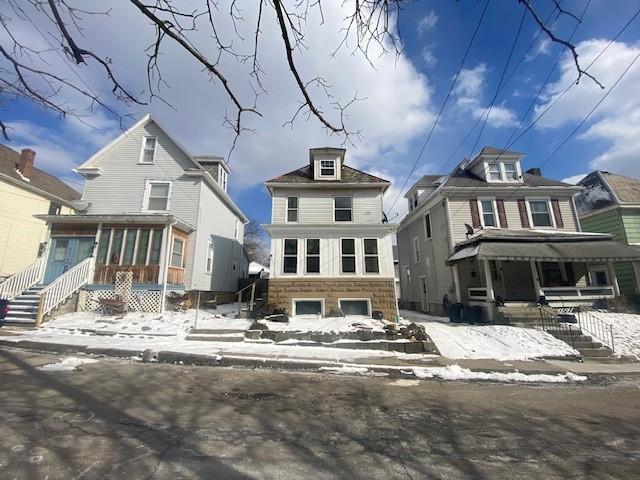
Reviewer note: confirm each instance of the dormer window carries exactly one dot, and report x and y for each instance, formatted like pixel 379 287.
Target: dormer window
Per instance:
pixel 499 171
pixel 327 168
pixel 148 153
pixel 222 177
pixel 511 171
pixel 495 173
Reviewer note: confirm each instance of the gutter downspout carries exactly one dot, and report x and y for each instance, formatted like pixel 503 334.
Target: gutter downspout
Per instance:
pixel 165 272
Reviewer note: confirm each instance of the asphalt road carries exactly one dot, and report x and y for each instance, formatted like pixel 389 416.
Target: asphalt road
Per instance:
pixel 122 420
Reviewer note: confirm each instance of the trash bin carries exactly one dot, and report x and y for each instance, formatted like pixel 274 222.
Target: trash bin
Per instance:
pixel 471 314
pixel 4 310
pixel 455 313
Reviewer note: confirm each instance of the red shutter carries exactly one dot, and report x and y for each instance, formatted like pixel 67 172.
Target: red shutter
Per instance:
pixel 475 216
pixel 522 208
pixel 501 215
pixel 555 205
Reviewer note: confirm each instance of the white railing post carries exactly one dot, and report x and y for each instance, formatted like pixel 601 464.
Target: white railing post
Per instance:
pixel 22 281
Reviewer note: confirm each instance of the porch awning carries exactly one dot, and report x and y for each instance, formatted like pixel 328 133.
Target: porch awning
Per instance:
pixel 124 219
pixel 591 251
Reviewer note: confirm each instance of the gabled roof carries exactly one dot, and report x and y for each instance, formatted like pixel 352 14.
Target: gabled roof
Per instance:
pixel 40 180
pixel 349 175
pixel 465 178
pixel 500 151
pixel 625 189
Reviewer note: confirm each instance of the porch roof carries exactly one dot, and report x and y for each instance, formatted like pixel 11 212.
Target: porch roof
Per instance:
pixel 125 219
pixel 543 246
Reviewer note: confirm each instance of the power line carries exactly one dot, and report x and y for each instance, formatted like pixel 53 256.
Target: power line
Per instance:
pixel 435 123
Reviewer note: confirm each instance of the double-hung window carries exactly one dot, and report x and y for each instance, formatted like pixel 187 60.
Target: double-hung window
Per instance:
pixel 417 256
pixel 371 264
pixel 510 171
pixel 427 225
pixel 157 196
pixel 343 209
pixel 290 257
pixel 540 213
pixel 348 255
pixel 313 255
pixel 292 209
pixel 210 249
pixel 177 253
pixel 488 213
pixel 327 168
pixel 148 153
pixel 495 173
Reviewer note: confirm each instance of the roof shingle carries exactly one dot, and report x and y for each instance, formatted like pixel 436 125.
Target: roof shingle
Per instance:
pixel 349 175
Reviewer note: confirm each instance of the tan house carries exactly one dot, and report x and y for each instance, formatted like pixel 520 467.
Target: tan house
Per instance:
pixel 26 191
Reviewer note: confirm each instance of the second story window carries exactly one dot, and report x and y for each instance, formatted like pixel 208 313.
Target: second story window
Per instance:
pixel 327 168
pixel 488 214
pixel 148 153
pixel 292 209
pixel 540 213
pixel 157 196
pixel 290 255
pixel 495 173
pixel 343 209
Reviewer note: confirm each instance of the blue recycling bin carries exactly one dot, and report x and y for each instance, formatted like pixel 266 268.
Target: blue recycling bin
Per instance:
pixel 4 310
pixel 455 313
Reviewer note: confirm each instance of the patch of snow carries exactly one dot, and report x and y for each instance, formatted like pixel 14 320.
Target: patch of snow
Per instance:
pixel 456 372
pixel 418 317
pixel 326 324
pixel 347 370
pixel 66 364
pixel 626 332
pixel 497 342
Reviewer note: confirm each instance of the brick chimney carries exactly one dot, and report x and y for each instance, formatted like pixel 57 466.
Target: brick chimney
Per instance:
pixel 25 165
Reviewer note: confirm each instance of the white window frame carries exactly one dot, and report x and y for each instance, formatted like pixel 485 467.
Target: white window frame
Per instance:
pixel 365 255
pixel 297 209
pixel 142 149
pixel 334 209
pixel 306 255
pixel 182 241
pixel 424 223
pixel 284 255
pixel 417 254
pixel 528 201
pixel 496 220
pixel 147 193
pixel 407 273
pixel 222 177
pixel 354 255
pixel 210 254
pixel 503 172
pixel 515 169
pixel 494 164
pixel 321 167
pixel 294 300
pixel 368 300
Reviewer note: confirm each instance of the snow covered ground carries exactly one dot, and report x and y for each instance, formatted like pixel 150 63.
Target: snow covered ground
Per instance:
pixel 498 342
pixel 67 364
pixel 326 325
pixel 411 316
pixel 626 332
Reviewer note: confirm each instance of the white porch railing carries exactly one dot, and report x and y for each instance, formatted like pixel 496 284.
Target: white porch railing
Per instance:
pixel 22 281
pixel 578 293
pixel 63 287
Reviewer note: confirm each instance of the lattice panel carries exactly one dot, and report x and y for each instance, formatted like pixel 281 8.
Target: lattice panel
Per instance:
pixel 140 301
pixel 123 285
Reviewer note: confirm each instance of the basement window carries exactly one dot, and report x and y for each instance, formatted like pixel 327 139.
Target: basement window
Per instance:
pixel 307 307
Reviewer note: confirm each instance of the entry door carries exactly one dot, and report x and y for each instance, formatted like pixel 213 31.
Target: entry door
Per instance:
pixel 518 281
pixel 65 253
pixel 424 300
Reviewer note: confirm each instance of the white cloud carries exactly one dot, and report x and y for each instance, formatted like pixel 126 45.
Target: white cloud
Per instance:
pixel 574 179
pixel 429 57
pixel 469 92
pixel 542 47
pixel 396 103
pixel 617 120
pixel 427 22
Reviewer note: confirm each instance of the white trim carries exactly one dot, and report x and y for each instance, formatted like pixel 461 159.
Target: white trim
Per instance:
pixel 147 192
pixel 142 149
pixel 175 239
pixel 294 300
pixel 494 205
pixel 503 173
pixel 417 254
pixel 549 208
pixel 342 222
pixel 424 224
pixel 365 255
pixel 210 250
pixel 354 255
pixel 284 255
pixel 319 255
pixel 297 209
pixel 368 300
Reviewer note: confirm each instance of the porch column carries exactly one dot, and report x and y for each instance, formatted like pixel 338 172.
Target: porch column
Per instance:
pixel 456 283
pixel 163 244
pixel 488 282
pixel 165 270
pixel 536 278
pixel 613 278
pixel 94 253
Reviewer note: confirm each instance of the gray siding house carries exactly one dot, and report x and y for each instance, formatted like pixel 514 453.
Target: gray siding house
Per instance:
pixel 489 234
pixel 150 208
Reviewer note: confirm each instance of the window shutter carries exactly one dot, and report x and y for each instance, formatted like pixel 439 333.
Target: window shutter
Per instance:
pixel 522 208
pixel 501 215
pixel 475 216
pixel 555 205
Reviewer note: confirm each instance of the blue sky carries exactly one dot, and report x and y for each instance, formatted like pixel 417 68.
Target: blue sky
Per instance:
pixel 400 96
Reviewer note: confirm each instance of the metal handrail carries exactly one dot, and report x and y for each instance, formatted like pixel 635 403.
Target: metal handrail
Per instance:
pixel 598 329
pixel 551 323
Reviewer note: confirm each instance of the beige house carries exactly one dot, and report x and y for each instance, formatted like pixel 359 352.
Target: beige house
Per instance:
pixel 26 191
pixel 490 234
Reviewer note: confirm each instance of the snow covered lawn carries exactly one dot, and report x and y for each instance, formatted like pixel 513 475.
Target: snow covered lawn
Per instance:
pixel 411 316
pixel 67 364
pixel 498 342
pixel 626 332
pixel 326 325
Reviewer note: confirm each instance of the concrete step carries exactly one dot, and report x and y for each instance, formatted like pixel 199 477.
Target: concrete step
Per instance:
pixel 216 338
pixel 21 313
pixel 215 331
pixel 19 320
pixel 574 338
pixel 23 306
pixel 595 352
pixel 581 345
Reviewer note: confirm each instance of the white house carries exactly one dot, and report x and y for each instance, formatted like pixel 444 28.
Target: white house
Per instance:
pixel 150 208
pixel 489 233
pixel 331 247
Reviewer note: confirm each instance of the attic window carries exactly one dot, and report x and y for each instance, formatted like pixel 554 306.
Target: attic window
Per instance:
pixel 148 153
pixel 495 172
pixel 511 172
pixel 327 168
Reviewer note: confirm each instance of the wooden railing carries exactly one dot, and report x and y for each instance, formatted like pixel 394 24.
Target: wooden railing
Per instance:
pixel 22 281
pixel 63 287
pixel 106 274
pixel 175 276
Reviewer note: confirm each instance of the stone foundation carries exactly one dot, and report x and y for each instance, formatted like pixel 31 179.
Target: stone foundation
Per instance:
pixel 381 292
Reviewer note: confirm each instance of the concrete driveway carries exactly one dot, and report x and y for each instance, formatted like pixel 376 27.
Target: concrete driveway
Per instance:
pixel 128 421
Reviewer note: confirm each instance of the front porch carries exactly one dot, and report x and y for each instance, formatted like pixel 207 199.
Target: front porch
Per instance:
pixel 562 269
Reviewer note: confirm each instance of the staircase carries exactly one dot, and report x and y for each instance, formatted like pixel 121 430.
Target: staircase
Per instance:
pixel 23 309
pixel 588 347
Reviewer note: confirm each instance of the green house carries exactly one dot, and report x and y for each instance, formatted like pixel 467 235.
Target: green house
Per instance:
pixel 610 203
